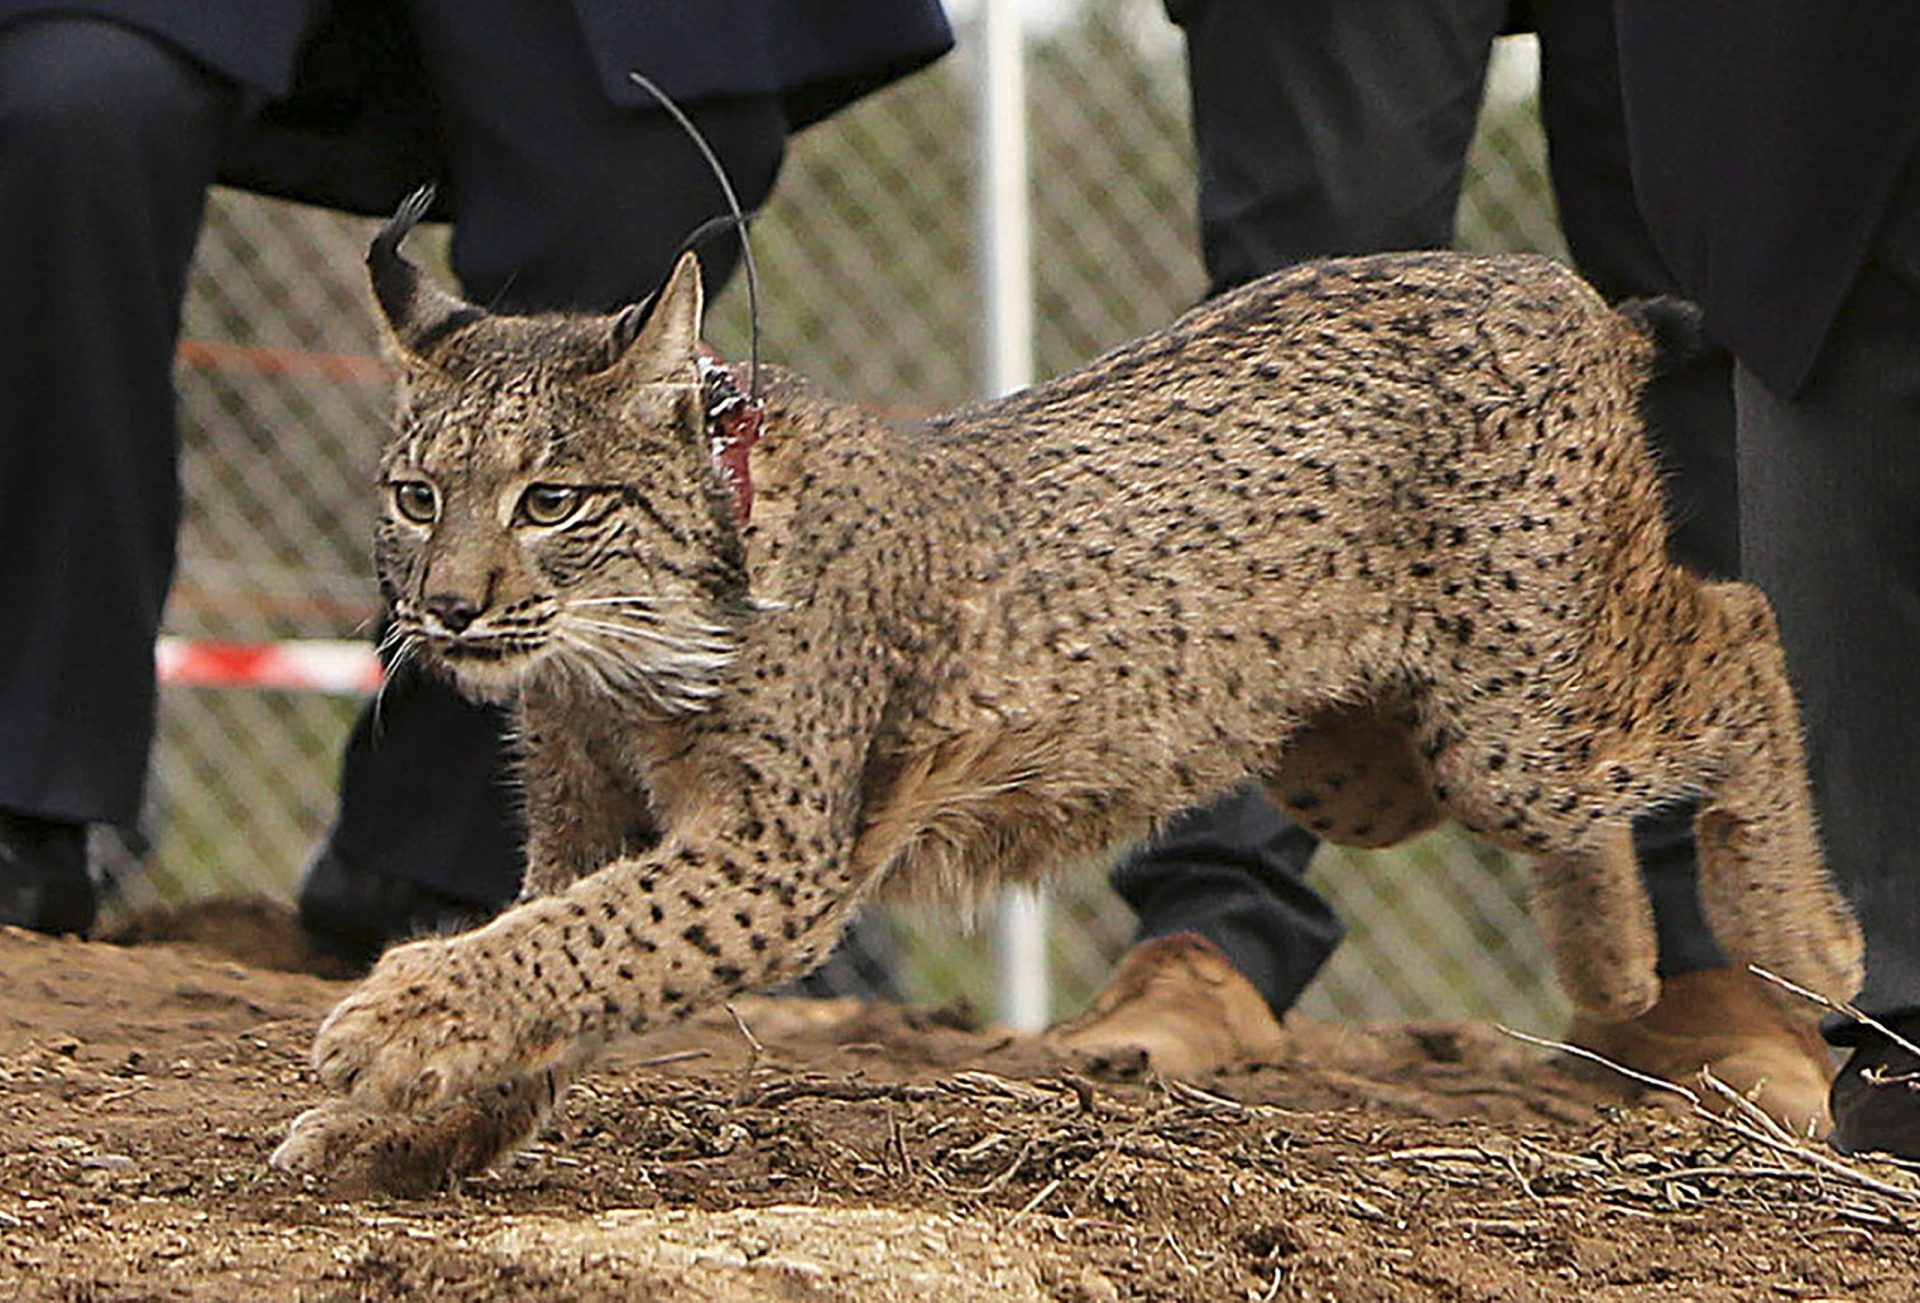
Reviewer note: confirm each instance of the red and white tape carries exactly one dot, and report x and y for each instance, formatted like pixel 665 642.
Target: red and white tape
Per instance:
pixel 319 665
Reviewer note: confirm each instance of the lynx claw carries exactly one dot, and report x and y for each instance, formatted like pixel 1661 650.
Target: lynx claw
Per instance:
pixel 427 1027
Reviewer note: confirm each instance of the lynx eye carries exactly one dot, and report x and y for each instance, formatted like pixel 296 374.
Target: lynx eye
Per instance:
pixel 416 501
pixel 548 504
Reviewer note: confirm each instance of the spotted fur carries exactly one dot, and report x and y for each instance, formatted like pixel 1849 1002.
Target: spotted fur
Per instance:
pixel 1382 533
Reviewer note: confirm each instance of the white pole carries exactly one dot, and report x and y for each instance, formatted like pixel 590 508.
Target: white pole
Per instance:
pixel 1020 932
pixel 1005 262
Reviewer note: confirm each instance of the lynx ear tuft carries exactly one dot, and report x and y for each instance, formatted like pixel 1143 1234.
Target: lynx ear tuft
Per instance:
pixel 660 336
pixel 417 312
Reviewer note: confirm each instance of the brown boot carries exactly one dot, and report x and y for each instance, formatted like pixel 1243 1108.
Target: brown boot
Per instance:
pixel 1180 1006
pixel 1725 1020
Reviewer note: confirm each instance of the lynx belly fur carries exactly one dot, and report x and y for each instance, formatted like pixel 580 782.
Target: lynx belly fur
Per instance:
pixel 1380 533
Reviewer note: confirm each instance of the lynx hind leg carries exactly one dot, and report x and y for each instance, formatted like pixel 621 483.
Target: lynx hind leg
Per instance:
pixel 1593 913
pixel 1352 776
pixel 1763 882
pixel 353 1150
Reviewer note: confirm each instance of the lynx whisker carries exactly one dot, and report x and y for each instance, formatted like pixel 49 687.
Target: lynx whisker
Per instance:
pixel 651 605
pixel 614 675
pixel 396 648
pixel 677 633
pixel 679 673
pixel 396 638
pixel 676 612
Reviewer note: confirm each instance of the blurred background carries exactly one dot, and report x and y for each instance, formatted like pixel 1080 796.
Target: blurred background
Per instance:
pixel 869 265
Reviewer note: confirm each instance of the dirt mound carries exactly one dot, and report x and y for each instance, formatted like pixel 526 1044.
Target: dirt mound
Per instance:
pixel 871 1155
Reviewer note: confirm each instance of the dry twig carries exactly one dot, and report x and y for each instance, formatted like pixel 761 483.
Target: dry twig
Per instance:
pixel 678 1056
pixel 1840 1007
pixel 852 1092
pixel 1771 1136
pixel 754 1051
pixel 1038 1199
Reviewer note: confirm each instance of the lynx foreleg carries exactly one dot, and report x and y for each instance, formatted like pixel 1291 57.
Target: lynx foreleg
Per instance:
pixel 453 1051
pixel 583 808
pixel 552 980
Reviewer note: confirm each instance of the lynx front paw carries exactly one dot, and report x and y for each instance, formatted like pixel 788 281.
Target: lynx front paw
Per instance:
pixel 431 1023
pixel 352 1150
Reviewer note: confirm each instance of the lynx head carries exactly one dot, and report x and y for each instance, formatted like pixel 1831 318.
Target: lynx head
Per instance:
pixel 550 504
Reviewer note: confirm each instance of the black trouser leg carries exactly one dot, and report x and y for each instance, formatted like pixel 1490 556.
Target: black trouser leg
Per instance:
pixel 1233 872
pixel 1331 128
pixel 1830 497
pixel 1321 129
pixel 108 142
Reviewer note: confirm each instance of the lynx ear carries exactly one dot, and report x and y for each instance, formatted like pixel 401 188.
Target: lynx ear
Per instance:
pixel 658 338
pixel 418 313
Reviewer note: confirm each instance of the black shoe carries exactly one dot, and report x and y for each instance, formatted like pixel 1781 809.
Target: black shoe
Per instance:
pixel 44 884
pixel 1876 1097
pixel 352 914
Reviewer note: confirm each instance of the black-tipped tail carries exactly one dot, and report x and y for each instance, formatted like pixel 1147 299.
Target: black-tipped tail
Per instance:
pixel 1675 326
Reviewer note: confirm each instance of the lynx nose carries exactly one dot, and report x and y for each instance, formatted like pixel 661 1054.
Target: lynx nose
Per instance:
pixel 452 610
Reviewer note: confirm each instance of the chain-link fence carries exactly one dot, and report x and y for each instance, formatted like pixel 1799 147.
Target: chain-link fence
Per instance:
pixel 868 286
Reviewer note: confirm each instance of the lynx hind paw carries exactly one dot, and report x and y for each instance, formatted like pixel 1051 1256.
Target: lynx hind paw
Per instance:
pixel 354 1151
pixel 1794 924
pixel 1821 951
pixel 426 1028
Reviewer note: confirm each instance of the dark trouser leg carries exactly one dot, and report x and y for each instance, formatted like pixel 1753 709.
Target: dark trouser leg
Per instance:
pixel 1321 129
pixel 565 202
pixel 108 141
pixel 1830 496
pixel 1232 872
pixel 1331 128
pixel 1830 493
pixel 1689 410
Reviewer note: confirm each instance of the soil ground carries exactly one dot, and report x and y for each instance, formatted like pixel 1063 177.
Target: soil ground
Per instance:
pixel 866 1154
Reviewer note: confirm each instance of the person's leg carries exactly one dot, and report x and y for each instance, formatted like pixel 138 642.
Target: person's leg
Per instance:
pixel 563 201
pixel 1231 872
pixel 1331 128
pixel 1830 491
pixel 1228 935
pixel 1321 129
pixel 108 142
